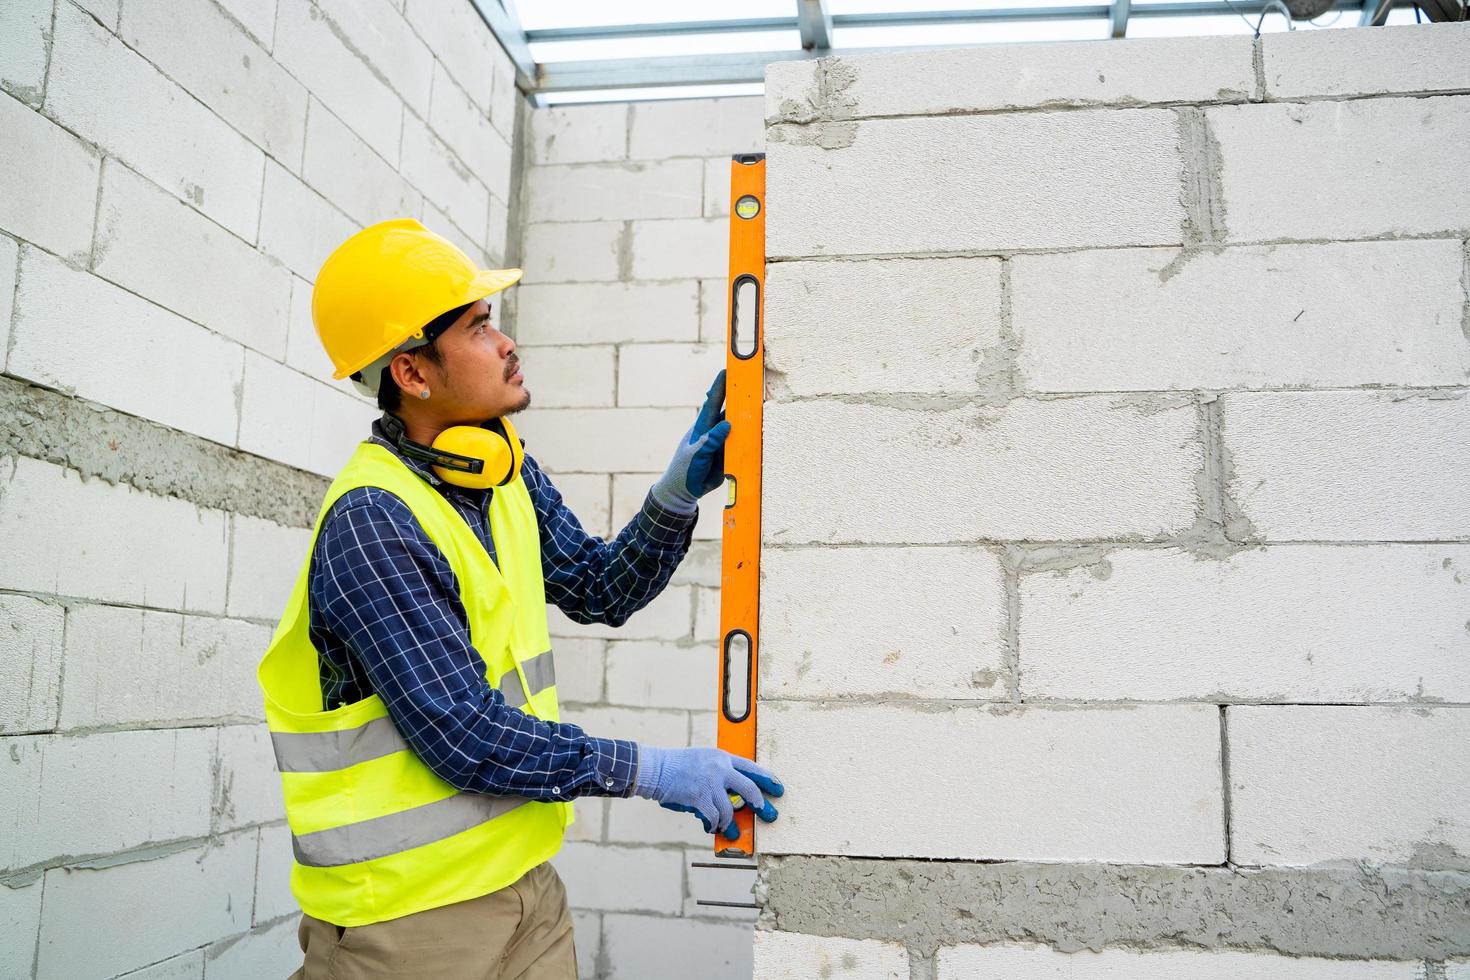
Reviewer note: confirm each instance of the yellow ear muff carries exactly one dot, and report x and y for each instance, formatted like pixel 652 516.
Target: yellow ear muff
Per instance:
pixel 500 452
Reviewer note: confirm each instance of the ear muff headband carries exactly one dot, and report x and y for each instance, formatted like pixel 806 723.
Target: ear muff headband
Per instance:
pixel 471 456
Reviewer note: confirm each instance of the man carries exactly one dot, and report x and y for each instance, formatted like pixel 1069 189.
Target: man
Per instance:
pixel 409 687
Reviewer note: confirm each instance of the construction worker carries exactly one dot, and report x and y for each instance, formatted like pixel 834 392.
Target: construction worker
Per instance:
pixel 409 687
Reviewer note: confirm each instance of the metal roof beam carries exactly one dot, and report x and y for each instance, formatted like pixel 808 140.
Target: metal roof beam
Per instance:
pixel 1120 18
pixel 816 25
pixel 507 30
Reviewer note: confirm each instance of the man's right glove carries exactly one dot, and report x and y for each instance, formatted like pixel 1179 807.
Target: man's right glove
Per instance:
pixel 700 781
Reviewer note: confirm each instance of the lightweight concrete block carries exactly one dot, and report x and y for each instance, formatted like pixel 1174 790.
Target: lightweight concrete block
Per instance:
pixel 9 270
pixel 1123 785
pixel 649 726
pixel 273 898
pixel 714 311
pixel 432 167
pixel 1350 465
pixel 621 190
pixel 145 235
pixel 1420 58
pixel 20 799
pixel 20 923
pixel 24 27
pixel 1333 315
pixel 59 173
pixel 587 938
pixel 377 32
pixel 271 403
pixel 570 377
pixel 949 643
pixel 257 17
pixel 100 89
pixel 497 234
pixel 1356 783
pixel 1076 468
pixel 504 96
pixel 460 41
pixel 185 966
pixel 440 223
pixel 792 956
pixel 647 947
pixel 588 818
pixel 621 879
pixel 30 664
pixel 106 11
pixel 265 560
pixel 1008 76
pixel 225 69
pixel 247 788
pixel 645 673
pixel 465 128
pixel 707 615
pixel 1043 180
pixel 297 225
pixel 930 326
pixel 592 313
pixel 1367 145
pixel 595 440
pixel 582 251
pixel 348 172
pixel 579 669
pixel 155 784
pixel 668 374
pixel 304 350
pixel 269 951
pixel 94 540
pixel 717 188
pixel 1045 963
pixel 680 248
pixel 578 134
pixel 633 821
pixel 1257 625
pixel 695 128
pixel 666 617
pixel 586 495
pixel 128 666
pixel 212 883
pixel 147 362
pixel 340 419
pixel 311 48
pixel 630 490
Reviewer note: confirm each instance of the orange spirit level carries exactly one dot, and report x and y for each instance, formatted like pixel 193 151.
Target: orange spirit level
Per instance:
pixel 740 558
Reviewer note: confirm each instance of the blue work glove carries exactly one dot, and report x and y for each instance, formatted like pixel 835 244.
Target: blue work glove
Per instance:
pixel 700 781
pixel 699 462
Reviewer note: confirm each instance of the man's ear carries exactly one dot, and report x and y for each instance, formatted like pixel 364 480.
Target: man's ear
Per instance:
pixel 406 374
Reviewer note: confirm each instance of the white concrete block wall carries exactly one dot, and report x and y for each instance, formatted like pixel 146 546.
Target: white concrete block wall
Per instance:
pixel 625 247
pixel 166 208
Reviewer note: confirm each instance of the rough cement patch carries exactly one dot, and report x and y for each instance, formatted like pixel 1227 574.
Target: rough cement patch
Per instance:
pixel 824 116
pixel 1352 911
pixel 1199 191
pixel 1465 288
pixel 998 373
pixel 1221 528
pixel 119 448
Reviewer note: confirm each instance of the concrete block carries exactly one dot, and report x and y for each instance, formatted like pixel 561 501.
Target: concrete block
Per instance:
pixel 647 673
pixel 9 271
pixel 269 951
pixel 1421 58
pixel 792 956
pixel 247 787
pixel 144 236
pixel 587 937
pixel 1045 180
pixel 1123 785
pixel 432 167
pixel 377 32
pixel 497 235
pixel 631 879
pixel 578 134
pixel 265 560
pixel 271 403
pixel 907 342
pixel 20 801
pixel 465 128
pixel 30 664
pixel 668 374
pixel 297 225
pixel 60 175
pixel 714 310
pixel 310 47
pixel 460 40
pixel 1044 963
pixel 649 726
pixel 637 821
pixel 185 966
pixel 1067 469
pixel 1333 315
pixel 212 882
pixel 1350 465
pixel 666 617
pixel 20 923
pixel 630 490
pixel 583 251
pixel 273 897
pixel 695 128
pixel 106 11
pixel 596 440
pixel 257 17
pixel 586 494
pixel 348 172
pixel 25 26
pixel 1384 783
pixel 155 784
pixel 1165 625
pixel 707 615
pixel 1008 76
pixel 949 643
pixel 148 362
pixel 439 222
pixel 647 947
pixel 570 377
pixel 588 814
pixel 99 89
pixel 128 666
pixel 340 419
pixel 622 190
pixel 1351 141
pixel 223 67
pixel 680 248
pixel 304 350
pixel 93 540
pixel 504 96
pixel 717 188
pixel 717 885
pixel 591 313
pixel 579 670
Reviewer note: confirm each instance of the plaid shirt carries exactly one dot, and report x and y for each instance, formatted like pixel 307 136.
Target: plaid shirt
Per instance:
pixel 386 618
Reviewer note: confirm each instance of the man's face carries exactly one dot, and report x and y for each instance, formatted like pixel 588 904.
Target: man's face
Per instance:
pixel 478 378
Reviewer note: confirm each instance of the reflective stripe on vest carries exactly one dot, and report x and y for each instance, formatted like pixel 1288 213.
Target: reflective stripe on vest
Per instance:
pixel 329 751
pixel 401 831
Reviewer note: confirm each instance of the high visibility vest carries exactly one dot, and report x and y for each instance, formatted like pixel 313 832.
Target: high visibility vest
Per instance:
pixel 375 833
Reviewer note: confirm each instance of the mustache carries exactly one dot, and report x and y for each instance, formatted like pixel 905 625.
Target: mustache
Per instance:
pixel 512 368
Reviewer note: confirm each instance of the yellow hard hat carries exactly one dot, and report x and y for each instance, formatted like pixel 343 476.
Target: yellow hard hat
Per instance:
pixel 385 283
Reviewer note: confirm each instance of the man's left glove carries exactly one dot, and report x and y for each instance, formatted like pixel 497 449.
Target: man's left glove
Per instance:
pixel 698 465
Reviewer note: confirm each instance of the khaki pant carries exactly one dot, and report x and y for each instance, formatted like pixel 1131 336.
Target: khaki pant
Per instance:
pixel 521 932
